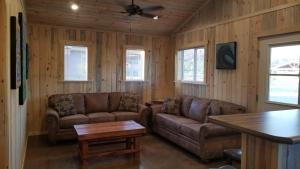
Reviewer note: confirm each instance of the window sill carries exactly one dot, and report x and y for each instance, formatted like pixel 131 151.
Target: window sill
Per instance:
pixel 76 81
pixel 283 104
pixel 134 81
pixel 194 83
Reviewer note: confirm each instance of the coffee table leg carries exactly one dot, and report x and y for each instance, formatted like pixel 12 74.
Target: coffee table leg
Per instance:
pixel 136 147
pixel 84 148
pixel 128 143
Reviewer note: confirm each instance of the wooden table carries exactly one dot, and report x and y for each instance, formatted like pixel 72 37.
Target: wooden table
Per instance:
pixel 270 140
pixel 110 132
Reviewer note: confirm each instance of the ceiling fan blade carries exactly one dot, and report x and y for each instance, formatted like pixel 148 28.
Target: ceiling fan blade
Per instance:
pixel 153 8
pixel 147 15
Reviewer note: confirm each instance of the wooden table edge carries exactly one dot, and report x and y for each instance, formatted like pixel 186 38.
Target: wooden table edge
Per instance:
pixel 277 139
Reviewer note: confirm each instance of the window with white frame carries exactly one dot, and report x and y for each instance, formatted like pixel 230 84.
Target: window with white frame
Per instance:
pixel 75 63
pixel 135 65
pixel 284 74
pixel 191 65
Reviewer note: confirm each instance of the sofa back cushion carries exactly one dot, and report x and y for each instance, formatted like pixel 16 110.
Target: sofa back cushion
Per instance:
pixel 198 109
pixel 63 104
pixel 114 101
pixel 79 104
pixel 186 104
pixel 96 102
pixel 218 107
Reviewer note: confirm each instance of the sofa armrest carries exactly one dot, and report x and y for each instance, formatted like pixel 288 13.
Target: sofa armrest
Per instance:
pixel 52 124
pixel 145 113
pixel 156 108
pixel 209 130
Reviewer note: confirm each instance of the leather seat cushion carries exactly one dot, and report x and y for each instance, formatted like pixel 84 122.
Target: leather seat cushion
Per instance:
pixel 123 116
pixel 190 130
pixel 172 122
pixel 69 121
pixel 100 117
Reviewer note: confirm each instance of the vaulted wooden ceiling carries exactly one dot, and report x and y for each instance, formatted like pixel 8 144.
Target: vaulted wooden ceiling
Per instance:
pixel 105 14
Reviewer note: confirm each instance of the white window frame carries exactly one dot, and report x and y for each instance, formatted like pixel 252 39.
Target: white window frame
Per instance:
pixel 125 61
pixel 180 65
pixel 270 74
pixel 76 45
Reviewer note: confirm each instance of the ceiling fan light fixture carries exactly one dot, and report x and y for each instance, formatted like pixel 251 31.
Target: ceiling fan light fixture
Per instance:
pixel 74 7
pixel 156 17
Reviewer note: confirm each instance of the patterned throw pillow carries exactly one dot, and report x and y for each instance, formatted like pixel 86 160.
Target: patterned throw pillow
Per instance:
pixel 171 106
pixel 129 102
pixel 63 104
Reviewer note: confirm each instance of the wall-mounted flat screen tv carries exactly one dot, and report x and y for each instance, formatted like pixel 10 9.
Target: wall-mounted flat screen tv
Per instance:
pixel 226 55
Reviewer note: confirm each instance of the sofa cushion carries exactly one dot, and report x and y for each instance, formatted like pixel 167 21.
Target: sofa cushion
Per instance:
pixel 171 105
pixel 191 130
pixel 129 103
pixel 79 103
pixel 228 108
pixel 63 104
pixel 186 104
pixel 209 130
pixel 101 117
pixel 96 102
pixel 172 122
pixel 123 116
pixel 214 109
pixel 114 101
pixel 198 109
pixel 68 121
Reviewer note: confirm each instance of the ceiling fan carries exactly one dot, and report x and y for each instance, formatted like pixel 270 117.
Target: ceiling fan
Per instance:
pixel 134 9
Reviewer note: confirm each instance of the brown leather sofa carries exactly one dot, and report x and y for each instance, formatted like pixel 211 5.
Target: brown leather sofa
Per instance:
pixel 91 108
pixel 192 131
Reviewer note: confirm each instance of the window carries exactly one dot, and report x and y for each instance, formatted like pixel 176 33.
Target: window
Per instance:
pixel 135 65
pixel 191 65
pixel 284 74
pixel 76 63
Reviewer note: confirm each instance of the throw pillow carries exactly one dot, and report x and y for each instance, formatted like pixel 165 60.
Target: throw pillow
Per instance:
pixel 198 109
pixel 63 104
pixel 129 102
pixel 171 105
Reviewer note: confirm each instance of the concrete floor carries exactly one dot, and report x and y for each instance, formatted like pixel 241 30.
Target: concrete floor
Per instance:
pixel 156 153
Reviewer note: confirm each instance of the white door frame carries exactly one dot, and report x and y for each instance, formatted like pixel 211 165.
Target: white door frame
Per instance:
pixel 263 68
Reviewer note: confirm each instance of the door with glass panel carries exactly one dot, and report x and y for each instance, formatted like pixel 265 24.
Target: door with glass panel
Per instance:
pixel 279 73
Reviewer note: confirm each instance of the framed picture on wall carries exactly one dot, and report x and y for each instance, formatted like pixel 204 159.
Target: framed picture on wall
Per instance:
pixel 226 55
pixel 23 42
pixel 15 54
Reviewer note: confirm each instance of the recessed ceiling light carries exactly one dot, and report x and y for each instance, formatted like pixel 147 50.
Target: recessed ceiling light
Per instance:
pixel 155 17
pixel 74 7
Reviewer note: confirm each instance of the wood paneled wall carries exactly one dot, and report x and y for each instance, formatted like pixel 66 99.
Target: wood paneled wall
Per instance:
pixel 3 88
pixel 106 57
pixel 13 135
pixel 243 21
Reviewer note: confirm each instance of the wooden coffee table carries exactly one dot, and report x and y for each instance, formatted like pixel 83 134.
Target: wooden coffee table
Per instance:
pixel 125 132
